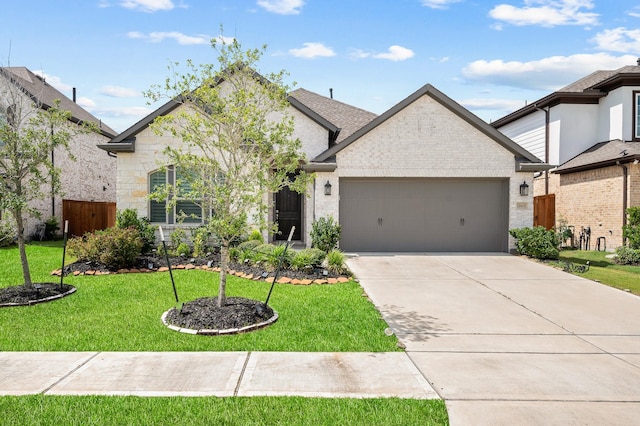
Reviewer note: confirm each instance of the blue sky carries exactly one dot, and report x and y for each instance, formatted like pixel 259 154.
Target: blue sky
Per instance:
pixel 491 56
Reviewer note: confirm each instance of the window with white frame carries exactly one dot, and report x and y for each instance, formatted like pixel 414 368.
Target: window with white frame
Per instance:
pixel 189 211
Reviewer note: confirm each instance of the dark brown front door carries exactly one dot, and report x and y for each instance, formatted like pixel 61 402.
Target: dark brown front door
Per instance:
pixel 288 213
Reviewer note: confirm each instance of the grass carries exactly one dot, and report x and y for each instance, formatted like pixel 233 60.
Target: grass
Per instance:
pixel 122 313
pixel 604 270
pixel 101 410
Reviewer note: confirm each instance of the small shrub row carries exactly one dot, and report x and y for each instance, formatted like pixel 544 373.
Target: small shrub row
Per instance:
pixel 627 256
pixel 114 247
pixel 536 242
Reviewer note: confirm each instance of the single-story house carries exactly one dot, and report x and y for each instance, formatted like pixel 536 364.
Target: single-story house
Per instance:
pixel 427 175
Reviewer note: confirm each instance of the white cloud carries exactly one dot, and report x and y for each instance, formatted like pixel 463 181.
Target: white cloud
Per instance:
pixel 547 13
pixel 438 4
pixel 85 102
pixel 54 81
pixel 548 74
pixel 148 5
pixel 395 53
pixel 183 39
pixel 635 12
pixel 282 7
pixel 120 92
pixel 312 50
pixel 118 112
pixel 618 40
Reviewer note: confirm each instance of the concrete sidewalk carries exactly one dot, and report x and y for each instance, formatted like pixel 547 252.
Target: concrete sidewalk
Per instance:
pixel 343 374
pixel 505 340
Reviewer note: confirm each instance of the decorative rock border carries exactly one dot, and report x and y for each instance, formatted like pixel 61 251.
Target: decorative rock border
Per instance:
pixel 224 332
pixel 190 266
pixel 46 299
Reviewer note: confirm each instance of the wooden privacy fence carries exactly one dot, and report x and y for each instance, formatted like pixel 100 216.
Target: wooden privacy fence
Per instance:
pixel 544 211
pixel 88 216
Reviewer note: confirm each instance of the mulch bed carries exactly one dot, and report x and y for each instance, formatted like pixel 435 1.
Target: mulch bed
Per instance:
pixel 20 295
pixel 156 263
pixel 203 316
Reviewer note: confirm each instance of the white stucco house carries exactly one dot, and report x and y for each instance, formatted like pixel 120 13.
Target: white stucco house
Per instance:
pixel 590 132
pixel 92 176
pixel 427 175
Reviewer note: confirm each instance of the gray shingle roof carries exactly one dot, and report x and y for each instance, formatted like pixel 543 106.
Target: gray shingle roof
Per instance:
pixel 44 93
pixel 601 155
pixel 343 116
pixel 589 81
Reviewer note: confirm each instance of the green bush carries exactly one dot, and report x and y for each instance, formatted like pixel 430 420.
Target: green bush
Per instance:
pixel 255 236
pixel 200 239
pixel 183 250
pixel 631 231
pixel 128 218
pixel 335 261
pixel 536 242
pixel 627 256
pixel 177 237
pixel 325 234
pixel 114 247
pixel 307 259
pixel 8 232
pixel 51 228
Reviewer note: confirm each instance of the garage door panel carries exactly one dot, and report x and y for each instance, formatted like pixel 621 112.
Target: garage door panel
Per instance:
pixel 423 215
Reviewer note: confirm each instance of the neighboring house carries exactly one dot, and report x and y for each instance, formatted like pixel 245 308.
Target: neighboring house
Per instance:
pixel 91 177
pixel 427 175
pixel 590 130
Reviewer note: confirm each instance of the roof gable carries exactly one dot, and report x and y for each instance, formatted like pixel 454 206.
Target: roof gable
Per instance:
pixel 43 93
pixel 450 104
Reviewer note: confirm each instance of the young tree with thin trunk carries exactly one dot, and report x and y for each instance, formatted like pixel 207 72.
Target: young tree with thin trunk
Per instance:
pixel 29 132
pixel 237 144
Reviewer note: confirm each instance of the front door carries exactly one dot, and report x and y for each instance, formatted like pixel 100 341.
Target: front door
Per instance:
pixel 288 213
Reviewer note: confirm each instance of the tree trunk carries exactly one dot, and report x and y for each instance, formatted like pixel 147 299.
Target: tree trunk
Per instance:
pixel 224 264
pixel 26 274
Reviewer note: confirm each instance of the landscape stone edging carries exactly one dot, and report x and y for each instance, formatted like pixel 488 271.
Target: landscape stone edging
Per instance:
pixel 46 299
pixel 223 332
pixel 281 280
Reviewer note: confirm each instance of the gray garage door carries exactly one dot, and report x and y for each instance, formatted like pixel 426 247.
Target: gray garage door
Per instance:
pixel 451 215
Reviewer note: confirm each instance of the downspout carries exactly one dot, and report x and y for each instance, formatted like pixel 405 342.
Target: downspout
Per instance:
pixel 625 178
pixel 546 145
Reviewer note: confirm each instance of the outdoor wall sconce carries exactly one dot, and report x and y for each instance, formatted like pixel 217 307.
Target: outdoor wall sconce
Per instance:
pixel 327 188
pixel 524 189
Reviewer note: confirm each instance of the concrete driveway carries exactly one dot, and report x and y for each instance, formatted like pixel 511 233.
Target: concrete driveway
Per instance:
pixel 506 341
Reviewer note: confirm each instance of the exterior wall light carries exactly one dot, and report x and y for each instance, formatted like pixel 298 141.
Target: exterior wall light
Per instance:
pixel 524 189
pixel 327 188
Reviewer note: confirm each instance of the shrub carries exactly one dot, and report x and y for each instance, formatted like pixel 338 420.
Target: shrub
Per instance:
pixel 307 259
pixel 335 262
pixel 8 232
pixel 183 250
pixel 631 231
pixel 200 238
pixel 536 242
pixel 51 228
pixel 128 218
pixel 627 256
pixel 325 234
pixel 255 236
pixel 177 237
pixel 114 247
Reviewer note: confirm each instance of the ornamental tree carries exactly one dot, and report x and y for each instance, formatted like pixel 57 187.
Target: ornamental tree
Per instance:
pixel 29 132
pixel 237 144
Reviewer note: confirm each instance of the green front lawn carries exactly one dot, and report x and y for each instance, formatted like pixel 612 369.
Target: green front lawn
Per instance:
pixel 122 313
pixel 604 270
pixel 103 410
